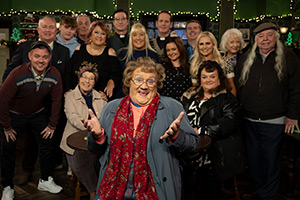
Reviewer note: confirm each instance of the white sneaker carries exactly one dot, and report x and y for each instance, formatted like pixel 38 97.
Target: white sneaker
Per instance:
pixel 49 186
pixel 69 172
pixel 8 193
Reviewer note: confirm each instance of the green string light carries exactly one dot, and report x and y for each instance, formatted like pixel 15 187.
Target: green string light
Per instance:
pixel 289 40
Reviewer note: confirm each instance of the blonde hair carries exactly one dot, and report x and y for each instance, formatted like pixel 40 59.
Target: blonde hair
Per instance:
pixel 197 58
pixel 135 28
pixel 279 60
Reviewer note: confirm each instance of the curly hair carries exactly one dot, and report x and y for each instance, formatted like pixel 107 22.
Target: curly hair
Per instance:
pixel 147 65
pixel 227 34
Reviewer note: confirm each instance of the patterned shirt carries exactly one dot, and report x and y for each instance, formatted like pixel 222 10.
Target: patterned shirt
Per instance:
pixel 193 113
pixel 175 83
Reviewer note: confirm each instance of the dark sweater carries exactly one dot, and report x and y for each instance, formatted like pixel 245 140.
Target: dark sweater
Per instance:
pixel 20 94
pixel 264 96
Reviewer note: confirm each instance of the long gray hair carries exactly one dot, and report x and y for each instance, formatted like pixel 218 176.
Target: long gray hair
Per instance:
pixel 279 60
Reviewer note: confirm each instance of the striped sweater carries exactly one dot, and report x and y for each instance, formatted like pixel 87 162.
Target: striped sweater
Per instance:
pixel 21 93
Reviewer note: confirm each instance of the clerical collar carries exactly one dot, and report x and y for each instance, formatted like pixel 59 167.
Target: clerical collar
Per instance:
pixel 121 36
pixel 162 38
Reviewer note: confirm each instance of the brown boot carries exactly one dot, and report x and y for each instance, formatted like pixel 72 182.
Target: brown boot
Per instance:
pixel 24 178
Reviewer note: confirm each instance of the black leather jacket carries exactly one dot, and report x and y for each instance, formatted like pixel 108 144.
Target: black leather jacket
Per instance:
pixel 218 115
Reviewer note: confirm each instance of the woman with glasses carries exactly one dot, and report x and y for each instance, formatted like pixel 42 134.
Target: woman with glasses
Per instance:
pixel 83 164
pixel 96 53
pixel 137 138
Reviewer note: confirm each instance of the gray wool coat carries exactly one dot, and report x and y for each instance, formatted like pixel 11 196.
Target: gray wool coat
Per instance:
pixel 161 154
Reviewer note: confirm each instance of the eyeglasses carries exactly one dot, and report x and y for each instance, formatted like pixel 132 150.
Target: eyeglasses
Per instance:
pixel 120 19
pixel 88 78
pixel 139 81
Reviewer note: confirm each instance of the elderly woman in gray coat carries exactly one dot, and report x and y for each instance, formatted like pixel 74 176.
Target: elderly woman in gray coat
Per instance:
pixel 138 137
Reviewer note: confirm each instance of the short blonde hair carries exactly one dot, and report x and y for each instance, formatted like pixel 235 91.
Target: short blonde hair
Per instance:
pixel 147 65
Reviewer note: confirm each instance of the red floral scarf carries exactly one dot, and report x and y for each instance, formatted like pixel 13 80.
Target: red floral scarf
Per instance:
pixel 122 146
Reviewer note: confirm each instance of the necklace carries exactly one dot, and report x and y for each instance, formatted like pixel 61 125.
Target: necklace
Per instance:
pixel 95 52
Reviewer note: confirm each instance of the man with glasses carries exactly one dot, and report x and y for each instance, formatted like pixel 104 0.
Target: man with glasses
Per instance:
pixel 192 30
pixel 121 37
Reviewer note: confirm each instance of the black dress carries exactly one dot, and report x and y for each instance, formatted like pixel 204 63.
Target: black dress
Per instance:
pixel 175 83
pixel 108 68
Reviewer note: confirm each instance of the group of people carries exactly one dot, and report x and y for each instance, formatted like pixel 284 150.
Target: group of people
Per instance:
pixel 147 105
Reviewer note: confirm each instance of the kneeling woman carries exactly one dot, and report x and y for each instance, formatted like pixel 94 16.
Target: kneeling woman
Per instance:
pixel 137 138
pixel 212 110
pixel 84 164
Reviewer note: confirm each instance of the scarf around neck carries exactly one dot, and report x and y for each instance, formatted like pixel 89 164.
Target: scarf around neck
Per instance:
pixel 122 146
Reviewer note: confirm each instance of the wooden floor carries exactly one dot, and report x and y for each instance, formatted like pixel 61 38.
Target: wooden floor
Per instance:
pixel 30 192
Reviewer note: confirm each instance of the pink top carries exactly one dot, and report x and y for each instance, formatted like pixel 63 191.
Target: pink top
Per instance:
pixel 138 112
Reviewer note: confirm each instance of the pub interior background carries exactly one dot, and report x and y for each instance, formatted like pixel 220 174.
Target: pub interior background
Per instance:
pixel 20 17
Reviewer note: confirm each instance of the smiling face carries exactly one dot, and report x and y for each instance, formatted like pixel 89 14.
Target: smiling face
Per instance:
pixel 138 40
pixel 172 51
pixel 192 31
pixel 83 25
pixel 209 80
pixel 163 24
pixel 47 30
pixel 233 44
pixel 39 59
pixel 143 94
pixel 120 22
pixel 98 36
pixel 206 47
pixel 266 41
pixel 86 82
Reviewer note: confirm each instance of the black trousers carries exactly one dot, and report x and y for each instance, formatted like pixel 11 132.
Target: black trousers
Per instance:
pixel 204 184
pixel 264 155
pixel 35 123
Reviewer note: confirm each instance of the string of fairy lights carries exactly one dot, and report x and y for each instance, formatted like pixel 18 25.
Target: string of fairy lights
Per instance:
pixel 136 16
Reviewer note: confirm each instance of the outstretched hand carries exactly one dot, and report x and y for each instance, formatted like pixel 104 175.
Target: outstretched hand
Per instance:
pixel 173 130
pixel 93 125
